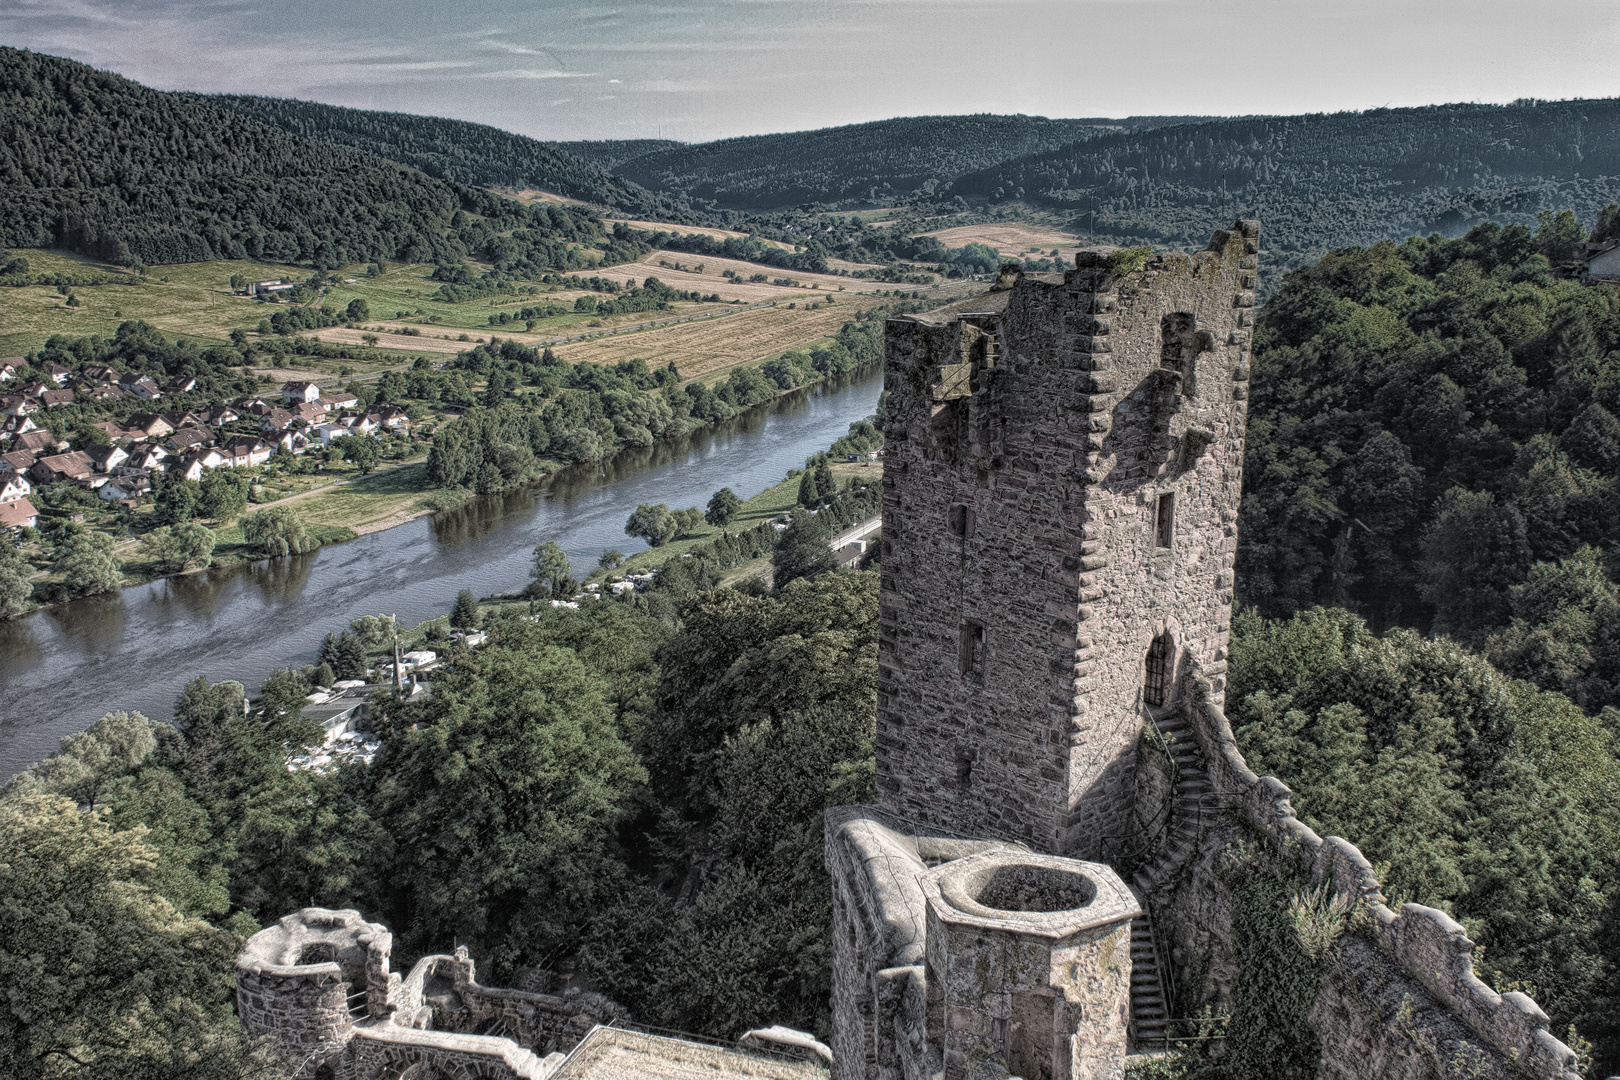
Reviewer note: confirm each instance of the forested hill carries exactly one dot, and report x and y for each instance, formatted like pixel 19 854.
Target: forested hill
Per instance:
pixel 456 150
pixel 1325 181
pixel 876 162
pixel 610 152
pixel 1433 442
pixel 95 163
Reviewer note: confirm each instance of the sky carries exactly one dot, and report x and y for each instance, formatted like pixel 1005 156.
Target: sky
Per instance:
pixel 697 70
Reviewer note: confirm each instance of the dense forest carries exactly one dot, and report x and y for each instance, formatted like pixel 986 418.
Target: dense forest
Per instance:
pixel 875 163
pixel 1433 443
pixel 1324 181
pixel 100 165
pixel 608 153
pixel 458 150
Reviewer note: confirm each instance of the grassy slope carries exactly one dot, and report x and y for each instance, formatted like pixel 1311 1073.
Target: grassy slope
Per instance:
pixel 763 506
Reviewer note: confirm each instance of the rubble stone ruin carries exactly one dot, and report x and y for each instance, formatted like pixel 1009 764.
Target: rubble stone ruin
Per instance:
pixel 318 984
pixel 1045 884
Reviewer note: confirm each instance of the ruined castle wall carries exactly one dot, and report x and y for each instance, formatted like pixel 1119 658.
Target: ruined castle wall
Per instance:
pixel 1025 574
pixel 880 988
pixel 389 1050
pixel 305 1012
pixel 1401 999
pixel 544 1023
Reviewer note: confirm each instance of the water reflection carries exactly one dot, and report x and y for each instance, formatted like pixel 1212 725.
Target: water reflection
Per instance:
pixel 96 622
pixel 19 649
pixel 198 594
pixel 283 579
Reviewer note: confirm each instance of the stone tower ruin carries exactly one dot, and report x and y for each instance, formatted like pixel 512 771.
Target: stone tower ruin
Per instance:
pixel 1045 882
pixel 1063 484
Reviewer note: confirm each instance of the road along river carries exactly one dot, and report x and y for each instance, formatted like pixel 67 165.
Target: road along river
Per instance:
pixel 62 668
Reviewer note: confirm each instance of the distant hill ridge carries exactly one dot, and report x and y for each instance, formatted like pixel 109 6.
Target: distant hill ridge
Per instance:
pixel 876 162
pixel 1325 180
pixel 458 150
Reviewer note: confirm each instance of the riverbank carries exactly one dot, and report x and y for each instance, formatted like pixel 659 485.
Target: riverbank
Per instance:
pixel 352 507
pixel 63 668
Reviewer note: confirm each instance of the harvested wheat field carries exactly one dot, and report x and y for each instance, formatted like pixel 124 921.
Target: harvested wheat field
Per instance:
pixel 1011 240
pixel 701 348
pixel 711 281
pixel 700 230
pixel 411 343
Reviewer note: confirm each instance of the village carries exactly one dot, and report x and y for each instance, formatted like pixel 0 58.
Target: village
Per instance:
pixel 153 445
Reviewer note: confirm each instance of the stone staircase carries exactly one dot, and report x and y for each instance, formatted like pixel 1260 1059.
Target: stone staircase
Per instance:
pixel 1149 1017
pixel 1194 807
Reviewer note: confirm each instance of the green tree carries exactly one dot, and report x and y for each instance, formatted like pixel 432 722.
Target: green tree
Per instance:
pixel 131 986
pixel 652 523
pixel 465 615
pixel 1565 633
pixel 89 760
pixel 1474 551
pixel 810 494
pixel 277 531
pixel 802 550
pixel 1559 235
pixel 87 564
pixel 373 630
pixel 549 572
pixel 16 585
pixel 351 657
pixel 360 449
pixel 826 483
pixel 503 792
pixel 722 509
pixel 610 559
pixel 224 494
pixel 687 520
pixel 177 548
pixel 177 500
pixel 358 310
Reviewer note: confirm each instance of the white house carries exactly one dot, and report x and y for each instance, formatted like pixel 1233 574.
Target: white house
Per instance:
pixel 1604 265
pixel 109 457
pixel 120 488
pixel 301 391
pixel 247 452
pixel 14 486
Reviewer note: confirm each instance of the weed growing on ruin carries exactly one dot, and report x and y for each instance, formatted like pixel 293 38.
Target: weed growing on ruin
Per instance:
pixel 1320 916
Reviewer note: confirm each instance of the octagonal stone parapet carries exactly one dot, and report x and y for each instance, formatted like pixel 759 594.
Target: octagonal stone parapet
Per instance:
pixel 1029 965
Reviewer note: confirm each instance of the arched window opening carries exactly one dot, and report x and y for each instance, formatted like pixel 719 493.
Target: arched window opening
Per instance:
pixel 1155 682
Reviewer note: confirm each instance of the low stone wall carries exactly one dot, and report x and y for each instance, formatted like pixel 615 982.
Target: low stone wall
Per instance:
pixel 545 1023
pixel 387 1050
pixel 1403 999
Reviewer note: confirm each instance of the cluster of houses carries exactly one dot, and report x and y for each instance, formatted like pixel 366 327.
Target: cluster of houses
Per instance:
pixel 178 443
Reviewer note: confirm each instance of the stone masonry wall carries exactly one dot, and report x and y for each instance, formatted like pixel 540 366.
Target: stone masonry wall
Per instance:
pixel 1401 1001
pixel 1023 579
pixel 307 1014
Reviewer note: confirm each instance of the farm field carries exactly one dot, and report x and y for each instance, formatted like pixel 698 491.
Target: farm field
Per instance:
pixel 662 265
pixel 192 299
pixel 702 230
pixel 703 348
pixel 1011 239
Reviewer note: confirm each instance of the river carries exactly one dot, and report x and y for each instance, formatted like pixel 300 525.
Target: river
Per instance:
pixel 64 667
